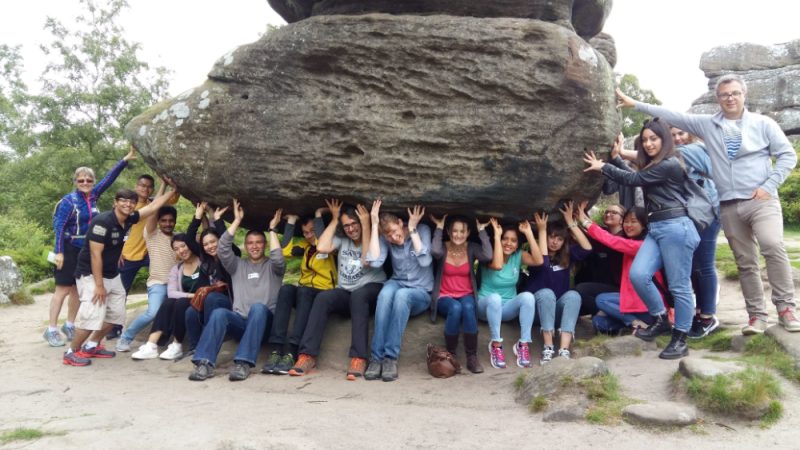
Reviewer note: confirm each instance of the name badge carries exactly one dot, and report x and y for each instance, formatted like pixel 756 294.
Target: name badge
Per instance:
pixel 321 256
pixel 125 239
pixel 196 275
pixel 558 268
pixel 252 276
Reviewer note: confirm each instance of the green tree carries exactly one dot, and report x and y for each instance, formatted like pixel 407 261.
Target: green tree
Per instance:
pixel 15 130
pixel 632 119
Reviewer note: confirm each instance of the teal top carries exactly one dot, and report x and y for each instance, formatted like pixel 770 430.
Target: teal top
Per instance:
pixel 503 281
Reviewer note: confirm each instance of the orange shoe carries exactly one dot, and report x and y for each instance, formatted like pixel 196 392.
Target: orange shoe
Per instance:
pixel 357 368
pixel 303 365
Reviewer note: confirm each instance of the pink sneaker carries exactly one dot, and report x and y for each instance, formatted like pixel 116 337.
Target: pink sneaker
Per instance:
pixel 523 354
pixel 497 357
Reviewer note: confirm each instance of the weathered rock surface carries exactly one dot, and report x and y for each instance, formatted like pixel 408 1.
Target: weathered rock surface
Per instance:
pixel 627 346
pixel 483 116
pixel 706 368
pixel 790 342
pixel 10 278
pixel 572 408
pixel 661 414
pixel 772 74
pixel 605 45
pixel 559 374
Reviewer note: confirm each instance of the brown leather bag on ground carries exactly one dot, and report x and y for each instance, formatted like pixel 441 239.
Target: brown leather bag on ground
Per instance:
pixel 200 295
pixel 441 363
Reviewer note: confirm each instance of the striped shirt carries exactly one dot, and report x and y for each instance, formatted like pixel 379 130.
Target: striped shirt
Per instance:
pixel 162 258
pixel 732 135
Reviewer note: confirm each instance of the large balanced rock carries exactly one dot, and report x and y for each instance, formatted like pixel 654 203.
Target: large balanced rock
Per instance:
pixel 772 74
pixel 463 114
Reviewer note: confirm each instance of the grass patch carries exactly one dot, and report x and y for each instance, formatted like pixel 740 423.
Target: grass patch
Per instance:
pixel 608 402
pixel 24 434
pixel 751 393
pixel 22 297
pixel 519 381
pixel 134 305
pixel 764 351
pixel 594 346
pixel 538 404
pixel 726 263
pixel 43 287
pixel 719 341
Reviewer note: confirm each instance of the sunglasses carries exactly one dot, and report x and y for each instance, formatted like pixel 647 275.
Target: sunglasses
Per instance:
pixel 84 181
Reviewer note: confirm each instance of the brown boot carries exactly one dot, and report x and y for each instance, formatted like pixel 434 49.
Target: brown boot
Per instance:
pixel 471 349
pixel 451 342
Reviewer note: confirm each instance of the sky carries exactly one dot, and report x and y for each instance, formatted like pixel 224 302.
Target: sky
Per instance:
pixel 659 42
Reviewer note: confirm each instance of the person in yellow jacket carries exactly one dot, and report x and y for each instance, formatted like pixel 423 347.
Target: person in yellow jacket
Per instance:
pixel 317 274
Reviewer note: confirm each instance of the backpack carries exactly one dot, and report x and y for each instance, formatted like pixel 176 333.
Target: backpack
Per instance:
pixel 698 204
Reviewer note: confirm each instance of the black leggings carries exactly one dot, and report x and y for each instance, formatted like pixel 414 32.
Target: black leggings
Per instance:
pixel 170 320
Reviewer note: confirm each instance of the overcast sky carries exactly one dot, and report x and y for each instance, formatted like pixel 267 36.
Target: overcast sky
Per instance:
pixel 659 42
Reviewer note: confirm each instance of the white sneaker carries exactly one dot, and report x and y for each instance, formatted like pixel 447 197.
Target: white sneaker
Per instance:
pixel 173 351
pixel 123 345
pixel 147 351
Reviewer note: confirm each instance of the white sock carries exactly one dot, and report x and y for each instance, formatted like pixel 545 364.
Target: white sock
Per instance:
pixel 51 329
pixel 90 345
pixel 69 324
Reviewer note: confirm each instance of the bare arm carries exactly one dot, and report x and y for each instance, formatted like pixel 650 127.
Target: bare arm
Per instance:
pixel 325 240
pixel 497 254
pixel 534 256
pixel 572 226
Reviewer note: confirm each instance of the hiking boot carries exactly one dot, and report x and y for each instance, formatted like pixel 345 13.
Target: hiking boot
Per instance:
pixel 174 351
pixel 303 365
pixel 496 356
pixel 95 352
pixel 756 325
pixel 660 326
pixel 547 354
pixel 677 347
pixel 523 354
pixel 53 338
pixel 68 330
pixel 115 332
pixel 787 319
pixel 72 359
pixel 702 326
pixel 388 369
pixel 471 349
pixel 202 371
pixel 123 345
pixel 272 361
pixel 147 351
pixel 373 370
pixel 240 372
pixel 285 364
pixel 357 367
pixel 564 353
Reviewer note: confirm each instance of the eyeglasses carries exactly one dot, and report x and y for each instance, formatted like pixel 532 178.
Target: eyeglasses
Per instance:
pixel 613 213
pixel 84 181
pixel 349 226
pixel 126 200
pixel 729 95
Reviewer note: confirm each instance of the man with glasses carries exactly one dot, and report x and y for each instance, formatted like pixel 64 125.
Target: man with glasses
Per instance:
pixel 100 288
pixel 741 145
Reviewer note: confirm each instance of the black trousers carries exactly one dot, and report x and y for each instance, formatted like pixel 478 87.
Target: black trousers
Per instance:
pixel 357 304
pixel 301 298
pixel 170 320
pixel 589 291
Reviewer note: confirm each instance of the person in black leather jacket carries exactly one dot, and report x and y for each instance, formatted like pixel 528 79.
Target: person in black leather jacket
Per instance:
pixel 671 238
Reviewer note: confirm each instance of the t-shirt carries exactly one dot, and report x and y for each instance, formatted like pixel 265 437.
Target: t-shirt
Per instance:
pixel 554 276
pixel 732 135
pixel 353 274
pixel 105 229
pixel 502 282
pixel 162 258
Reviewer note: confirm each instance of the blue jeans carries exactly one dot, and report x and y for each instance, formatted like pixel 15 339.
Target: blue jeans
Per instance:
pixel 250 331
pixel 704 271
pixel 669 244
pixel 156 294
pixel 492 310
pixel 565 310
pixel 615 319
pixel 460 313
pixel 196 320
pixel 395 305
pixel 129 269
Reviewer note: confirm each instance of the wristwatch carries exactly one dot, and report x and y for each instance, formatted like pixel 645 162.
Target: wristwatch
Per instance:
pixel 412 231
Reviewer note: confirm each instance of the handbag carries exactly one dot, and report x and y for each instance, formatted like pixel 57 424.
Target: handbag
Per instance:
pixel 698 205
pixel 441 363
pixel 199 297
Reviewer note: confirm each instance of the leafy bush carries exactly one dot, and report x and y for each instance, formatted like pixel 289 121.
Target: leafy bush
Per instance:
pixel 789 194
pixel 27 243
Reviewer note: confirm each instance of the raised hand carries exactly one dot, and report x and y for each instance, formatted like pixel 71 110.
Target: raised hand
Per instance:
pixel 131 154
pixel 594 163
pixel 498 230
pixel 525 228
pixel 617 147
pixel 292 218
pixel 582 216
pixel 334 206
pixel 238 212
pixel 481 226
pixel 623 101
pixel 438 222
pixel 218 212
pixel 200 209
pixel 541 220
pixel 276 219
pixel 363 215
pixel 375 212
pixel 415 215
pixel 567 211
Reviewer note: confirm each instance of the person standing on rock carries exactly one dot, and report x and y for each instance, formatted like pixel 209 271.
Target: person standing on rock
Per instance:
pixel 256 281
pixel 741 145
pixel 355 293
pixel 455 286
pixel 407 293
pixel 671 237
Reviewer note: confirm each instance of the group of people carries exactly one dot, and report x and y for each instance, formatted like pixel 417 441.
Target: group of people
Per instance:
pixel 627 272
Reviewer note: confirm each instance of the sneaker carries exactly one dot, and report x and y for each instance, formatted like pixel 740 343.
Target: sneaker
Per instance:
pixel 146 351
pixel 523 353
pixel 114 333
pixel 272 361
pixel 357 368
pixel 547 354
pixel 496 356
pixel 388 369
pixel 202 372
pixel 72 359
pixel 285 364
pixel 123 345
pixel 373 371
pixel 564 353
pixel 173 351
pixel 702 327
pixel 787 319
pixel 303 366
pixel 660 326
pixel 240 372
pixel 95 352
pixel 756 325
pixel 53 338
pixel 69 331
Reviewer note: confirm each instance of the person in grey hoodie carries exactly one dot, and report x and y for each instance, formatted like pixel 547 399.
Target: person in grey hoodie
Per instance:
pixel 741 145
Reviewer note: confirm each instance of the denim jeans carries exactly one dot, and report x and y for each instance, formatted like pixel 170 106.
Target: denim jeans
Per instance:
pixel 564 310
pixel 615 319
pixel 704 270
pixel 492 310
pixel 196 320
pixel 669 244
pixel 156 294
pixel 129 269
pixel 460 312
pixel 250 331
pixel 395 305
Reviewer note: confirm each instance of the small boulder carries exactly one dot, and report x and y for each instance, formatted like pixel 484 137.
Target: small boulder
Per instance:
pixel 10 279
pixel 790 342
pixel 661 414
pixel 551 378
pixel 569 409
pixel 706 368
pixel 627 346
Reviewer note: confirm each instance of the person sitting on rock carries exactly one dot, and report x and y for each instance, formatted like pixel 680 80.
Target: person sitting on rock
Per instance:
pixel 455 287
pixel 407 293
pixel 317 274
pixel 256 281
pixel 498 300
pixel 356 292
